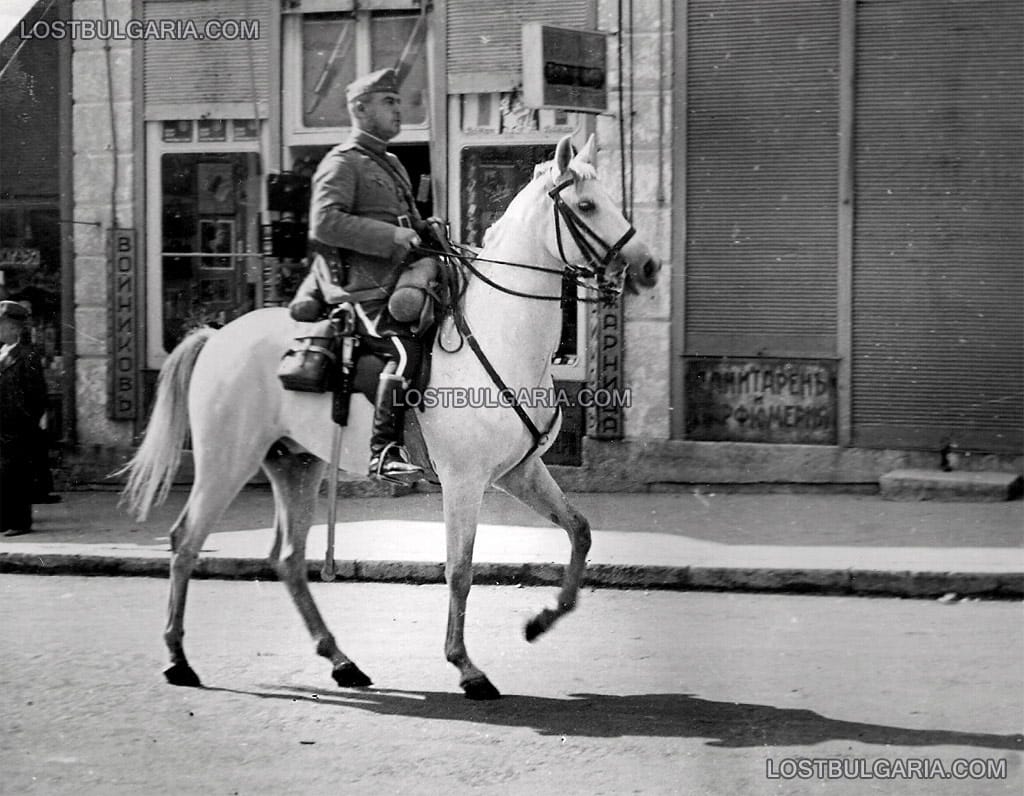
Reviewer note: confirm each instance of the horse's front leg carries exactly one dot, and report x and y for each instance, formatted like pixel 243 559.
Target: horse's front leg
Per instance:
pixel 295 479
pixel 461 512
pixel 533 485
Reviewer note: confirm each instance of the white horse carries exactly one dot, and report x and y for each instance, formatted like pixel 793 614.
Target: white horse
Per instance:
pixel 221 386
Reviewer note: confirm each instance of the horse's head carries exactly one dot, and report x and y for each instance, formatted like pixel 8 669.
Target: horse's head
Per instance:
pixel 589 232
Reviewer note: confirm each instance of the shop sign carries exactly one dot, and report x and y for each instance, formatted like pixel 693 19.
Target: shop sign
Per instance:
pixel 606 422
pixel 565 68
pixel 761 400
pixel 19 258
pixel 124 365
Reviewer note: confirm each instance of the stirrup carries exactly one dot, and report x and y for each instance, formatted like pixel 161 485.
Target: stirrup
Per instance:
pixel 392 464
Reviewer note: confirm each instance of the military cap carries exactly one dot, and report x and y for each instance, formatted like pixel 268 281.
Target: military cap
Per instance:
pixel 383 80
pixel 13 310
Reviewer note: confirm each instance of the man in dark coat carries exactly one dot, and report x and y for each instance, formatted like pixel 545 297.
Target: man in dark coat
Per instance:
pixel 363 226
pixel 22 403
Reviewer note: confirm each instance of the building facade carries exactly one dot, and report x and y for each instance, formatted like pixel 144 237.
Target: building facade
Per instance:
pixel 835 188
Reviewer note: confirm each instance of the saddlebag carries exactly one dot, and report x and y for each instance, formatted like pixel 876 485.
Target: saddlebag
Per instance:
pixel 308 365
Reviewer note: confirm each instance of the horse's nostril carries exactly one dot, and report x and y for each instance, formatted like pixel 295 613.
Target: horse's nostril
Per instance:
pixel 649 272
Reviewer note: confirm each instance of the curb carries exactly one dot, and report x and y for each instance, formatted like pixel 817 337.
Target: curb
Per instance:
pixel 843 582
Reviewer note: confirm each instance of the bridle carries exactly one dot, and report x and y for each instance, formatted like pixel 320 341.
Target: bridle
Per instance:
pixel 582 235
pixel 592 275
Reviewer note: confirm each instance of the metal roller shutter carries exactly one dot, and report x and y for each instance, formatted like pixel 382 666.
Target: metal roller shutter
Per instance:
pixel 762 160
pixel 485 39
pixel 938 281
pixel 183 73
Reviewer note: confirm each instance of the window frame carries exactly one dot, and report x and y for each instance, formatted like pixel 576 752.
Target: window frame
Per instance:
pixel 156 148
pixel 295 132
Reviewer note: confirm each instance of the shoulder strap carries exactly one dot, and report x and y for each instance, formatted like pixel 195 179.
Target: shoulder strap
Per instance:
pixel 396 175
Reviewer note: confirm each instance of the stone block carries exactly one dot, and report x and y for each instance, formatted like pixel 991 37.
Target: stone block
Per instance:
pixel 653 222
pixel 91 282
pixel 646 374
pixel 91 129
pixel 648 15
pixel 94 427
pixel 91 331
pixel 93 178
pixel 90 240
pixel 89 75
pixel 915 484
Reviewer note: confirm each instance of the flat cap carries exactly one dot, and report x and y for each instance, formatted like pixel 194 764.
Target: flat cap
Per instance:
pixel 383 80
pixel 13 310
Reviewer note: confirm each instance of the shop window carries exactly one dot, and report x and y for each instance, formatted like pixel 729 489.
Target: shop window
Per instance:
pixel 210 271
pixel 30 272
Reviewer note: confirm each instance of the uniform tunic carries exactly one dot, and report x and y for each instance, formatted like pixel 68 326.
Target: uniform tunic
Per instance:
pixel 355 205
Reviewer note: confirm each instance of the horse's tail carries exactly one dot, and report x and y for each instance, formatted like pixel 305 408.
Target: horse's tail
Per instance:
pixel 151 471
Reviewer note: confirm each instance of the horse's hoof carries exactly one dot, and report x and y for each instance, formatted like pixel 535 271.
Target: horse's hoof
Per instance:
pixel 480 688
pixel 348 675
pixel 182 674
pixel 538 626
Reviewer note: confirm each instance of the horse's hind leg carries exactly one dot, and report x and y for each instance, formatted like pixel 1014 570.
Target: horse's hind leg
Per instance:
pixel 205 505
pixel 295 479
pixel 533 485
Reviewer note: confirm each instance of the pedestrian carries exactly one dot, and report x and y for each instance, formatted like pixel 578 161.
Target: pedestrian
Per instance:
pixel 22 403
pixel 364 230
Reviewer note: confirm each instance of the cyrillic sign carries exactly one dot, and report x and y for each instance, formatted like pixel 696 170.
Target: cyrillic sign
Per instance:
pixel 761 400
pixel 124 353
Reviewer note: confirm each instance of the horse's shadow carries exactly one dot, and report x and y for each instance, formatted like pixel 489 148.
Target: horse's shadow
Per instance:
pixel 722 724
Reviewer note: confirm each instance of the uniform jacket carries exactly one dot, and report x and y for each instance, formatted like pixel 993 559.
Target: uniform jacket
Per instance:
pixel 22 400
pixel 355 205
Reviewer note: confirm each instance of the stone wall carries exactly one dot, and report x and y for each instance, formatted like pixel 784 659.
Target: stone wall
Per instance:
pixel 647 68
pixel 94 151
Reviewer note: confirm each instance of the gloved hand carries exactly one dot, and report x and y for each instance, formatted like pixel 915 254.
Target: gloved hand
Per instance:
pixel 405 239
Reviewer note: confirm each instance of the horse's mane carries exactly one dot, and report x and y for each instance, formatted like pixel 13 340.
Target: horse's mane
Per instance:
pixel 582 169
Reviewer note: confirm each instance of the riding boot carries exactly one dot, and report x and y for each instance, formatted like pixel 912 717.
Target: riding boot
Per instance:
pixel 388 458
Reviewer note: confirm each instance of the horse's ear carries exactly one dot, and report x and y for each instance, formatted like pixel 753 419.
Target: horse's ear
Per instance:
pixel 563 155
pixel 589 151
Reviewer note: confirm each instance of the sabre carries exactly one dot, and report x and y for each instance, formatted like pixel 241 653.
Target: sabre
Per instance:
pixel 343 320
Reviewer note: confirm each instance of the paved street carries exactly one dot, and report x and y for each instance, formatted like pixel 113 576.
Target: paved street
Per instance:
pixel 638 692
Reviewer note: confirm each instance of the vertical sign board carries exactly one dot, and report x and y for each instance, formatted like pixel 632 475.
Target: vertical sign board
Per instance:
pixel 606 422
pixel 761 400
pixel 124 354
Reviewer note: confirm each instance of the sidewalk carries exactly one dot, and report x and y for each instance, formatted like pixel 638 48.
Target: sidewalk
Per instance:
pixel 702 539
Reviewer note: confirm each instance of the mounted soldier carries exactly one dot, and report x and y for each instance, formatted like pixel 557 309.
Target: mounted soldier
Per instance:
pixel 364 230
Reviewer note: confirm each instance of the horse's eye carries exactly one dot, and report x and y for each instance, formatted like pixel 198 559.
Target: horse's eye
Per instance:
pixel 586 206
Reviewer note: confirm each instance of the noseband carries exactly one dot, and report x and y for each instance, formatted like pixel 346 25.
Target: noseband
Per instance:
pixel 582 235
